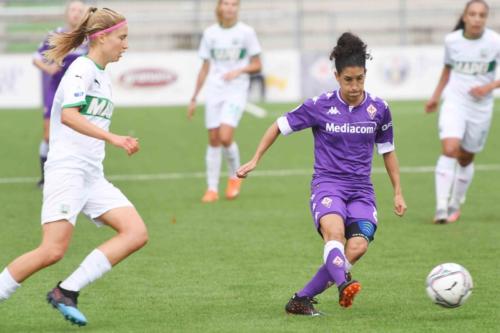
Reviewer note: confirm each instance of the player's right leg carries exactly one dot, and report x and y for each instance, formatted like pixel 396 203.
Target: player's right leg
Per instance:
pixel 55 241
pixel 302 302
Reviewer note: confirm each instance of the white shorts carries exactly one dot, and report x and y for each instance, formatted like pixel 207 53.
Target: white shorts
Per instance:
pixel 67 192
pixel 224 111
pixel 471 126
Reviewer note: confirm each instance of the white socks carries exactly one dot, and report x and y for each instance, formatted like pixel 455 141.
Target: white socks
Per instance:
pixel 445 173
pixel 93 267
pixel 44 149
pixel 463 178
pixel 348 265
pixel 232 155
pixel 213 160
pixel 7 285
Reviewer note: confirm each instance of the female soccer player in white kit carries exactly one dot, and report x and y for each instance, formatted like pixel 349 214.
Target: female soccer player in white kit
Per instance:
pixel 472 52
pixel 74 173
pixel 230 52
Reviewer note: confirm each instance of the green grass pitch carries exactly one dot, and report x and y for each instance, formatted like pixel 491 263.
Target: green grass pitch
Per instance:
pixel 232 266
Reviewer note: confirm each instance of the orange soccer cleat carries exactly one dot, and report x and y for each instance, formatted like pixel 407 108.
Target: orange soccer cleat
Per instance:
pixel 347 291
pixel 233 188
pixel 453 215
pixel 210 196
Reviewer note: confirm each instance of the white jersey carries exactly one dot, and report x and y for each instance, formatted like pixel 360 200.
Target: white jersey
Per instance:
pixel 228 49
pixel 473 63
pixel 87 86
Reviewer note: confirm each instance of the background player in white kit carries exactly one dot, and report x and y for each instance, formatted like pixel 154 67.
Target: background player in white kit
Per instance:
pixel 230 52
pixel 472 53
pixel 74 173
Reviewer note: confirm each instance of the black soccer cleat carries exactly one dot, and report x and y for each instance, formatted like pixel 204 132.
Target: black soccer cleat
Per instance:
pixel 302 306
pixel 66 302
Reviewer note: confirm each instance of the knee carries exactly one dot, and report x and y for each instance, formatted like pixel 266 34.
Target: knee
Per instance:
pixel 137 238
pixel 465 158
pixel 214 142
pixel 332 235
pixel 226 141
pixel 450 151
pixel 52 254
pixel 356 249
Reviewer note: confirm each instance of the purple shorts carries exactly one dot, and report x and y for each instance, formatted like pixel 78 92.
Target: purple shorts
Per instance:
pixel 353 202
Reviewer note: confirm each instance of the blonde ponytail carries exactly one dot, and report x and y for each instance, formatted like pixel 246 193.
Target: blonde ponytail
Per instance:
pixel 93 21
pixel 62 43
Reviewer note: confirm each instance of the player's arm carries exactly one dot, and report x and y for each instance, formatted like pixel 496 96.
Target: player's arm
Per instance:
pixel 49 68
pixel 254 66
pixel 432 104
pixel 202 75
pixel 72 118
pixel 392 167
pixel 482 91
pixel 267 140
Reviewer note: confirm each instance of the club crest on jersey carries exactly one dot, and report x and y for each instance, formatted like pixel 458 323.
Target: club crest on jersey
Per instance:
pixel 372 111
pixel 327 202
pixel 333 111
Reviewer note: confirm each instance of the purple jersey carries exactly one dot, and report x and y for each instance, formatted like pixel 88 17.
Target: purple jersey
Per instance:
pixel 51 82
pixel 344 136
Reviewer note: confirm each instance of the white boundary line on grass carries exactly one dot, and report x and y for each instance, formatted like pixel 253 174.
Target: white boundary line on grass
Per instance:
pixel 257 173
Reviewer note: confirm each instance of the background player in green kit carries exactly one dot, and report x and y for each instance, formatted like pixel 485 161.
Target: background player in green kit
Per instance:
pixel 472 53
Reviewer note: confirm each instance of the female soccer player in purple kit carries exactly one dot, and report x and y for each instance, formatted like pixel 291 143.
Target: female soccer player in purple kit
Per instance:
pixel 346 124
pixel 52 73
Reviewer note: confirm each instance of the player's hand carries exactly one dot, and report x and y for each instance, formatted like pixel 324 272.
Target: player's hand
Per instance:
pixel 480 91
pixel 52 69
pixel 191 109
pixel 231 75
pixel 128 143
pixel 399 205
pixel 431 105
pixel 245 169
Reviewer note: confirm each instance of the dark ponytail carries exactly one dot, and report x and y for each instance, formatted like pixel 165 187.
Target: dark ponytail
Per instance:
pixel 349 51
pixel 461 23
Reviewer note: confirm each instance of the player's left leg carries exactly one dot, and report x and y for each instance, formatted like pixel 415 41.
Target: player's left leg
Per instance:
pixel 333 231
pixel 476 133
pixel 131 236
pixel 359 234
pixel 232 154
pixel 463 178
pixel 231 114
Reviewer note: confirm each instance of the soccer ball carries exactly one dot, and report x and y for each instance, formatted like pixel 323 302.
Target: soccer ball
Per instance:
pixel 449 285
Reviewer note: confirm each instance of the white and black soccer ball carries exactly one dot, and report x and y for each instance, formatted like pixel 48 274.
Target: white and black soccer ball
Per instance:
pixel 449 285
